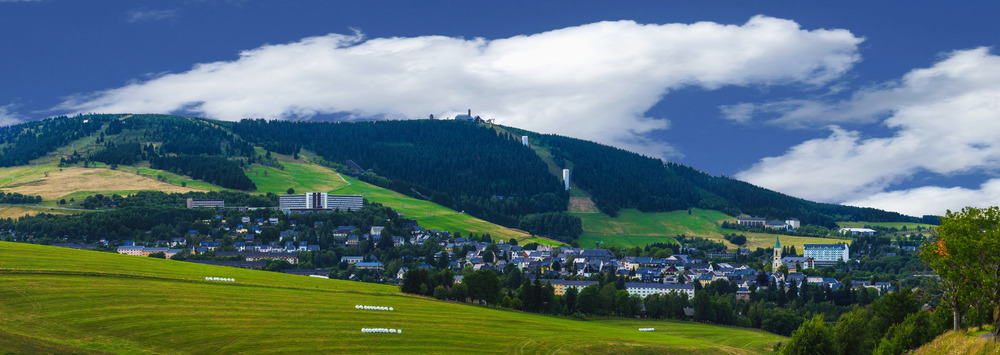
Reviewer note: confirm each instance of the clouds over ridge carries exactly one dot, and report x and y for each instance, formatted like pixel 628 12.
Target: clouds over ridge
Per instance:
pixel 945 119
pixel 594 81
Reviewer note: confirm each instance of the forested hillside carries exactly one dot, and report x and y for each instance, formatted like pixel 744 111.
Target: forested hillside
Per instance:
pixel 462 165
pixel 620 179
pixel 466 166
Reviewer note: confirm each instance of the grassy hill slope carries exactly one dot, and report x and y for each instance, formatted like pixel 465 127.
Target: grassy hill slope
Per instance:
pixel 92 302
pixel 954 342
pixel 635 228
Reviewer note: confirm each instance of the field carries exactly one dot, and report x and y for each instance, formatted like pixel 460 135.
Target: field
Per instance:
pixel 433 216
pixel 643 228
pixel 124 304
pixel 15 211
pixel 79 182
pixel 302 177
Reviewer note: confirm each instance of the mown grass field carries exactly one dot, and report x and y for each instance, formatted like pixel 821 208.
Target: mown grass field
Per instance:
pixel 14 211
pixel 434 216
pixel 641 228
pixel 96 308
pixel 79 182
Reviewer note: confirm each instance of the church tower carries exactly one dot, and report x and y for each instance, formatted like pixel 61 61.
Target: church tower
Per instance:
pixel 777 255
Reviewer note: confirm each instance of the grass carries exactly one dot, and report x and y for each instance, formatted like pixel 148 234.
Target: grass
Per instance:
pixel 15 211
pixel 299 174
pixel 433 216
pixel 94 309
pixel 953 342
pixel 79 182
pixel 635 228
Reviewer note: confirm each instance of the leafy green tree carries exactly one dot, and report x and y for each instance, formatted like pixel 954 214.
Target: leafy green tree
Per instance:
pixel 812 338
pixel 966 255
pixel 910 334
pixel 484 285
pixel 854 333
pixel 589 300
pixel 440 292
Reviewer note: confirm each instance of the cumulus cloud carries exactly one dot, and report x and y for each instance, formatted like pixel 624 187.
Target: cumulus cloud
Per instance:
pixel 944 120
pixel 146 15
pixel 593 81
pixel 933 200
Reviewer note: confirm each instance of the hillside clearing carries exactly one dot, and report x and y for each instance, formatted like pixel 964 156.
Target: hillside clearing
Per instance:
pixel 434 216
pixel 86 181
pixel 12 211
pixel 646 228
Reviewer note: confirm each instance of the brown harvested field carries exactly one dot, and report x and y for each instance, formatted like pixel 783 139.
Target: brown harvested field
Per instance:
pixel 582 205
pixel 96 180
pixel 18 211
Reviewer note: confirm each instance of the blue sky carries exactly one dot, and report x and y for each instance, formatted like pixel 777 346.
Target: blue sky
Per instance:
pixel 893 104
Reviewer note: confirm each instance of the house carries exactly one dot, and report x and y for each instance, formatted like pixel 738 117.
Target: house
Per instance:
pixel 742 294
pixel 343 231
pixel 130 250
pixel 175 241
pixel 376 230
pixel 751 222
pixel 858 231
pixel 352 241
pixel 644 289
pixel 211 245
pixel 775 224
pixel 351 260
pixel 402 271
pixel 256 256
pixel 797 263
pixel 561 286
pixel 370 265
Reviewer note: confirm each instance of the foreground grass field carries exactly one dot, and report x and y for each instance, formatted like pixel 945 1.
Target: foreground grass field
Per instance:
pixel 635 228
pixel 90 305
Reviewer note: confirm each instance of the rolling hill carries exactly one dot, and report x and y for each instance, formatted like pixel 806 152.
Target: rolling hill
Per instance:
pixel 462 176
pixel 69 301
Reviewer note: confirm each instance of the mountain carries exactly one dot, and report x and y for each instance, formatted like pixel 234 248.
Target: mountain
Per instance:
pixel 480 169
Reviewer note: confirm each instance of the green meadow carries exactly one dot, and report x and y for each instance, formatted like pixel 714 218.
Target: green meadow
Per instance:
pixel 635 228
pixel 433 216
pixel 74 301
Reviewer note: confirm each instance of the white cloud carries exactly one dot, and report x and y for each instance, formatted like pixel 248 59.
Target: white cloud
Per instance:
pixel 593 81
pixel 933 200
pixel 945 123
pixel 138 15
pixel 8 115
